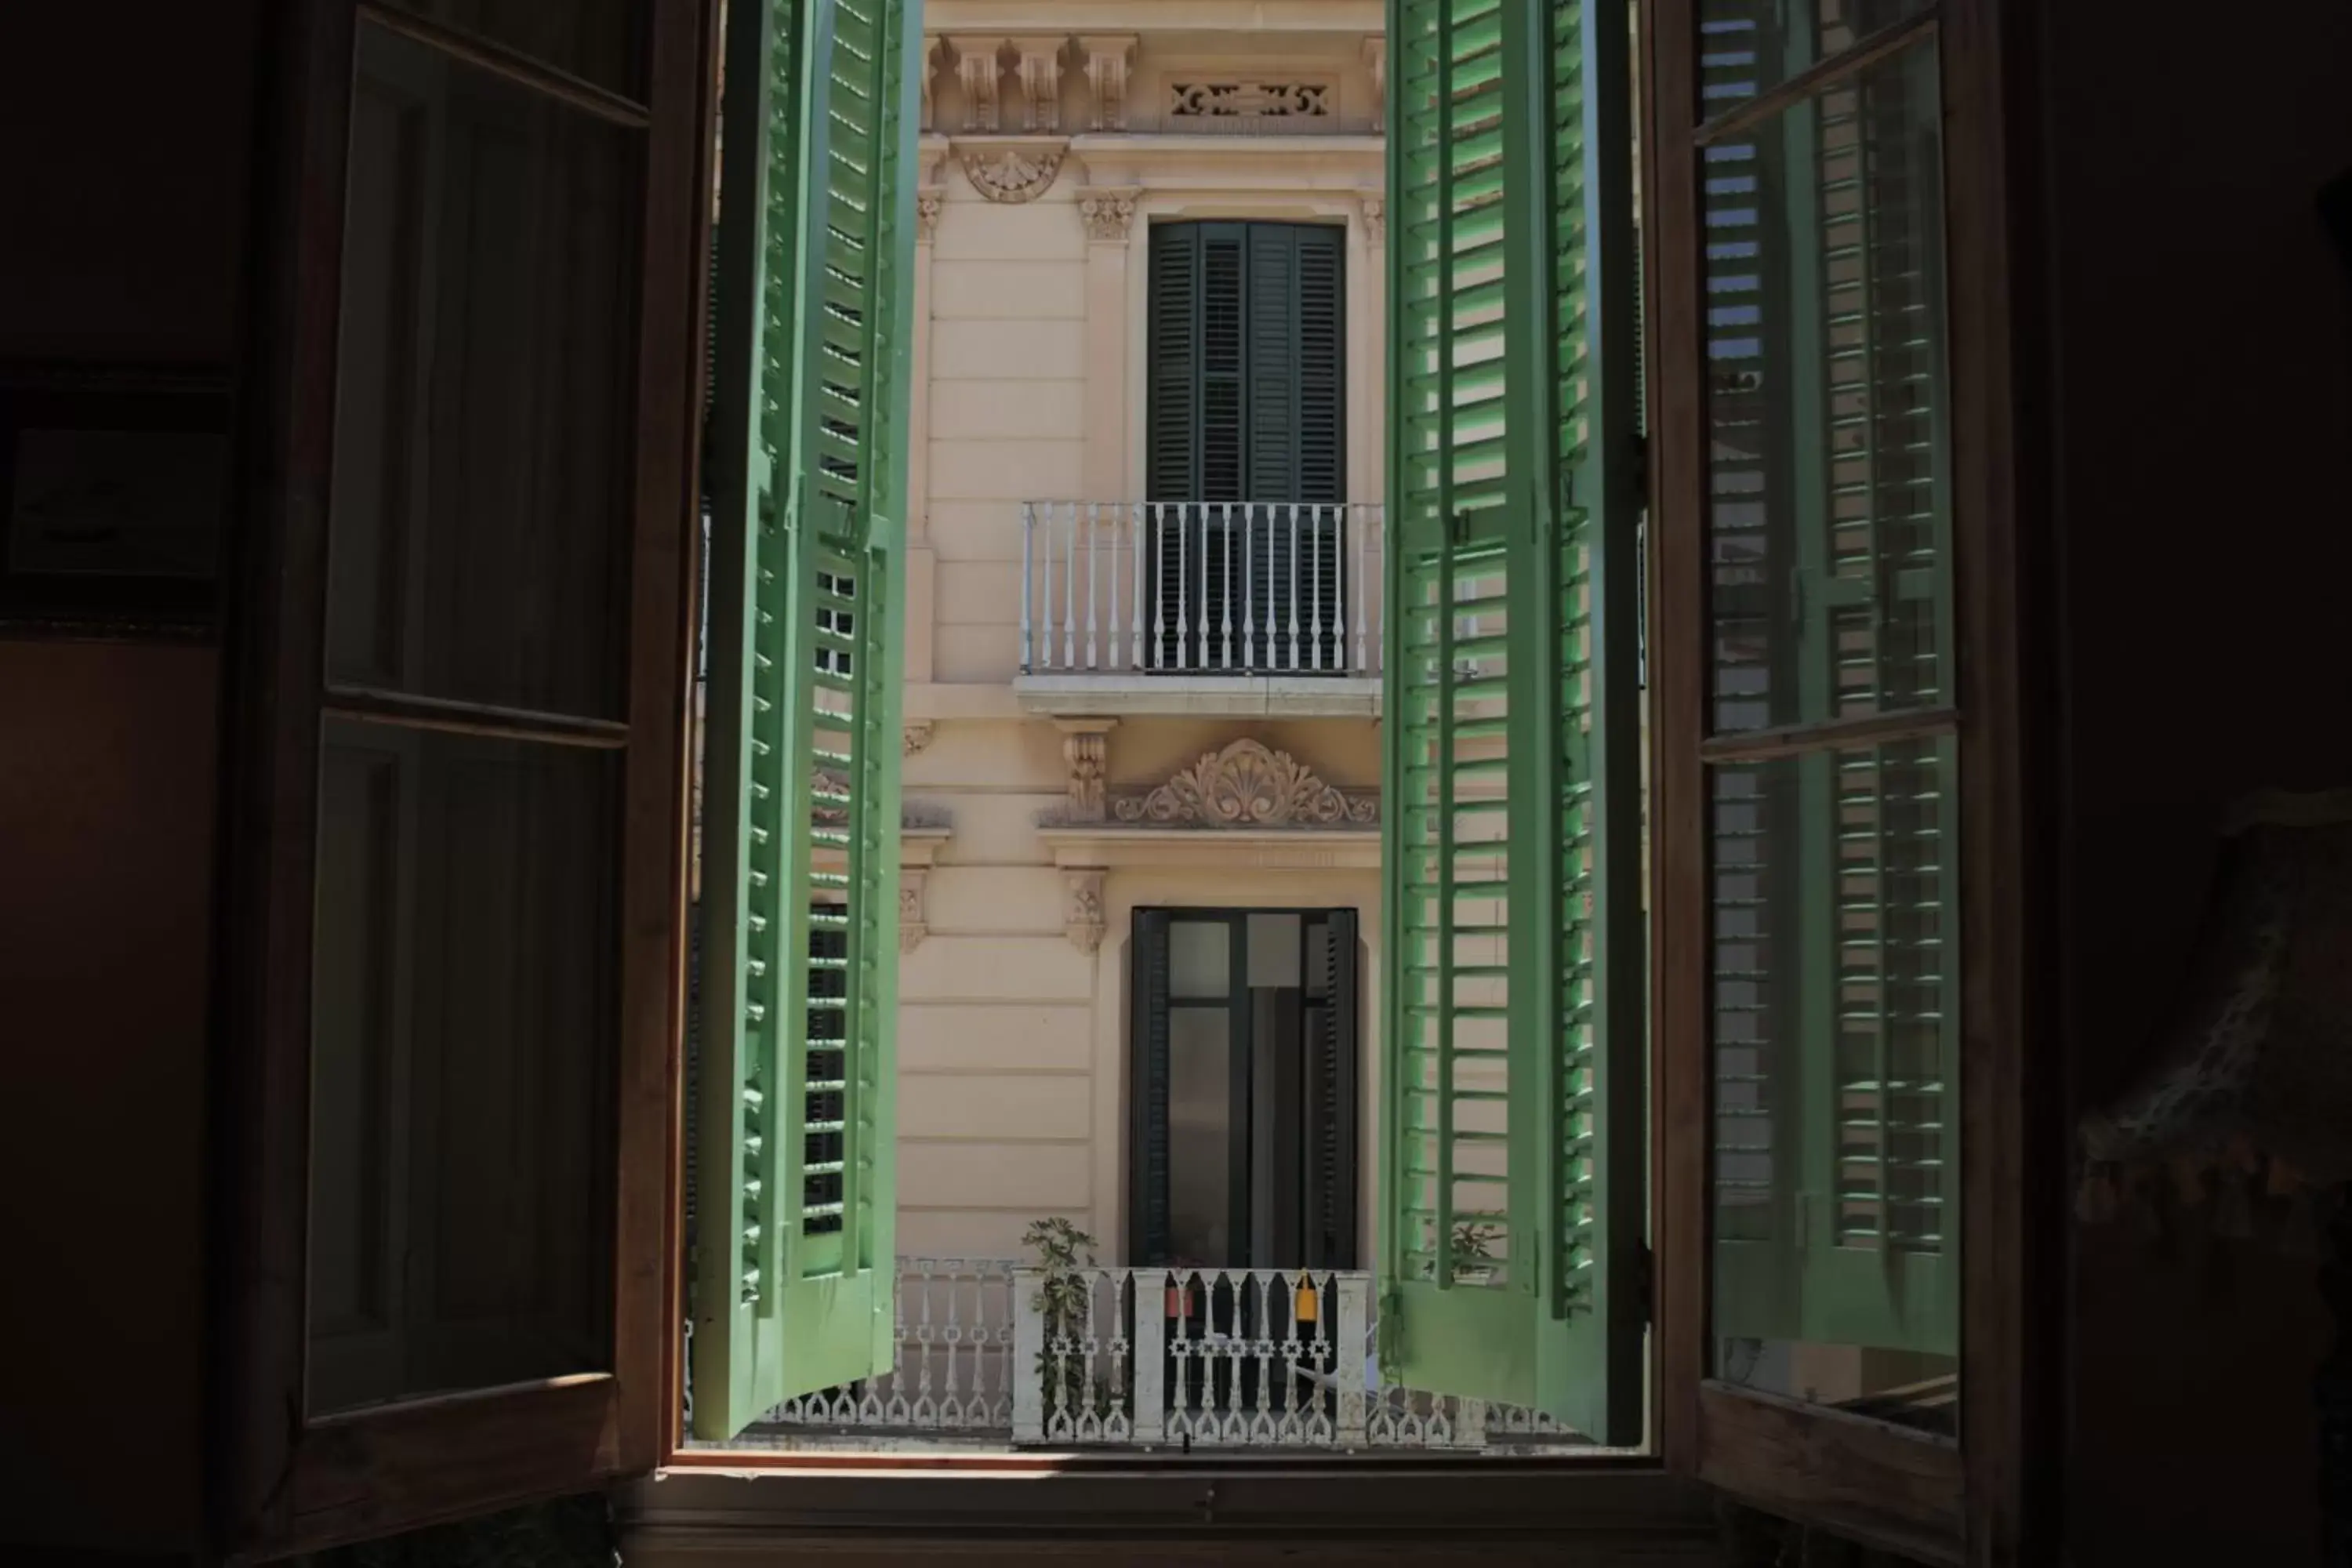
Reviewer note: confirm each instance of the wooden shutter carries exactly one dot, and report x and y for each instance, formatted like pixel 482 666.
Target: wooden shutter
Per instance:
pixel 794 1267
pixel 1516 1036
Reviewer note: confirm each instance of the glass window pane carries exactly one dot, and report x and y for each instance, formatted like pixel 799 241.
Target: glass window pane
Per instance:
pixel 599 41
pixel 1199 1135
pixel 462 1064
pixel 1200 959
pixel 485 404
pixel 1749 46
pixel 1827 406
pixel 1835 1059
pixel 1275 943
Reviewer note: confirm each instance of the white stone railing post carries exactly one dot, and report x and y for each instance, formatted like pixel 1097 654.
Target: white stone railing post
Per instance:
pixel 1349 1333
pixel 1149 1381
pixel 1027 1372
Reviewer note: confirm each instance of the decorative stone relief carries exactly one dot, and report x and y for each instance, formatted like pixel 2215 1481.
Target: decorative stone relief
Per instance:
pixel 1085 747
pixel 1109 212
pixel 1205 103
pixel 1082 910
pixel 917 735
pixel 1248 784
pixel 1109 59
pixel 913 923
pixel 1376 218
pixel 1376 60
pixel 1040 76
pixel 1013 174
pixel 977 66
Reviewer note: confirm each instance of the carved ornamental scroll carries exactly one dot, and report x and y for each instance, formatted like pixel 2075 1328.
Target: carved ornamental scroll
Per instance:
pixel 1248 784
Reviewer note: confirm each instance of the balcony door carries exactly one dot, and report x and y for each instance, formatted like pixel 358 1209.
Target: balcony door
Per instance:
pixel 1243 1147
pixel 1245 453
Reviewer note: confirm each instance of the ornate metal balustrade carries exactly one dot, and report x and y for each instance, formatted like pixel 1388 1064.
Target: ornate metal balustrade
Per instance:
pixel 1146 1359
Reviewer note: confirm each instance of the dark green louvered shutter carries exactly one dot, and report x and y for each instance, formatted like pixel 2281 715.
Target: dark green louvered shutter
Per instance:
pixel 1331 1192
pixel 1247 406
pixel 1512 1156
pixel 795 1251
pixel 1148 1218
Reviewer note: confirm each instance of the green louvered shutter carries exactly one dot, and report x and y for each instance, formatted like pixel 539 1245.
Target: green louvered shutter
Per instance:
pixel 794 1253
pixel 1513 1143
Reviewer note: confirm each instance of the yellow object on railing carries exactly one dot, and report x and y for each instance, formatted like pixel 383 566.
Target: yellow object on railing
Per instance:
pixel 1304 1304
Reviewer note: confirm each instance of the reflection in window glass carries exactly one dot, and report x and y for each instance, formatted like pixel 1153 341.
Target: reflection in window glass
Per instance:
pixel 598 41
pixel 1835 1055
pixel 484 404
pixel 1828 507
pixel 462 1064
pixel 1749 46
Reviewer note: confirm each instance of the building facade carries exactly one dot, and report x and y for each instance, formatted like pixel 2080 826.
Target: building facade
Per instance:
pixel 1141 887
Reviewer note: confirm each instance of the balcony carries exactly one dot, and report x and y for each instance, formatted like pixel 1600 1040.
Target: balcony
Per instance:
pixel 1202 607
pixel 1138 1360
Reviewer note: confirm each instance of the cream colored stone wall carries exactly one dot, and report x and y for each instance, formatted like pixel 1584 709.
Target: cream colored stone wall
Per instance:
pixel 1013 1035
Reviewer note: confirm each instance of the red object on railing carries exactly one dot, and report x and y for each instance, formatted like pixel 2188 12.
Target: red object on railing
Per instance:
pixel 1179 1299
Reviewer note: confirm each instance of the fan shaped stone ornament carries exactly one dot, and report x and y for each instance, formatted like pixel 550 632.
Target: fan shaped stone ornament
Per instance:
pixel 1013 174
pixel 1248 784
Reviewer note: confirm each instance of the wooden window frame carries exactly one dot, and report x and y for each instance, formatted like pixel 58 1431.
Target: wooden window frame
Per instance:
pixel 1983 1499
pixel 283 1481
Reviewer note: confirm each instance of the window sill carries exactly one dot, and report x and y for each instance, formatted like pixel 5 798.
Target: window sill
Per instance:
pixel 1613 1510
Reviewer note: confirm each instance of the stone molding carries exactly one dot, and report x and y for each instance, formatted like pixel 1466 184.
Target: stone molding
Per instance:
pixel 1375 51
pixel 1376 218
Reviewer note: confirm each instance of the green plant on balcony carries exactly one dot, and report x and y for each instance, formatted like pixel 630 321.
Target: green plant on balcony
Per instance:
pixel 1065 1253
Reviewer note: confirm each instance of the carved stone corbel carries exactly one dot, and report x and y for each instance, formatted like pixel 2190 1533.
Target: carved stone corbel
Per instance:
pixel 1039 72
pixel 1083 920
pixel 978 63
pixel 1086 748
pixel 1109 212
pixel 933 52
pixel 917 735
pixel 1376 219
pixel 913 925
pixel 1376 60
pixel 1108 58
pixel 927 201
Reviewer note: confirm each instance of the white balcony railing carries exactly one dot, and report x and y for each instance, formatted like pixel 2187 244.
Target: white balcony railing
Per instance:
pixel 1214 588
pixel 1152 1358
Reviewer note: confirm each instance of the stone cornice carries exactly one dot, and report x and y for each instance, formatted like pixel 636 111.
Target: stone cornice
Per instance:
pixel 1111 846
pixel 1352 164
pixel 1010 17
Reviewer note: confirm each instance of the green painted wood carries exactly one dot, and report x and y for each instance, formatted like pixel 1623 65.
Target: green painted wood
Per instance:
pixel 794 1259
pixel 1516 1040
